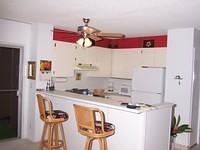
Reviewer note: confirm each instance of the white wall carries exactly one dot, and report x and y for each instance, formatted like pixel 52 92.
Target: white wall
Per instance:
pixel 84 83
pixel 42 39
pixel 18 34
pixel 35 41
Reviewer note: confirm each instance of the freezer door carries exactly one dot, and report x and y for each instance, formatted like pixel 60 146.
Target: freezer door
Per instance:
pixel 148 80
pixel 147 98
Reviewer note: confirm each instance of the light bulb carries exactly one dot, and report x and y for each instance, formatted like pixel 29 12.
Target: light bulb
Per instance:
pixel 80 41
pixel 87 42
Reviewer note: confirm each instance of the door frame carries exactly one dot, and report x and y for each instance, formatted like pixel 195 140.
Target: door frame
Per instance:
pixel 20 86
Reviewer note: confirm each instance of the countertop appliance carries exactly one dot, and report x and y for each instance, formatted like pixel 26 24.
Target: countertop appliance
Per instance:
pixel 148 85
pixel 125 90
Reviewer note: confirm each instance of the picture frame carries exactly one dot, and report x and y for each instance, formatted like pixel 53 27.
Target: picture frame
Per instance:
pixel 32 70
pixel 45 65
pixel 148 43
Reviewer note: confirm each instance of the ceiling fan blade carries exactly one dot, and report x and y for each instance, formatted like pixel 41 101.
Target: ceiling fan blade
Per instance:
pixel 87 29
pixel 111 35
pixel 95 38
pixel 63 31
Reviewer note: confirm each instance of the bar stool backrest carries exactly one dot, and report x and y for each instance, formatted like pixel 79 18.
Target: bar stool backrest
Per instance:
pixel 85 118
pixel 42 102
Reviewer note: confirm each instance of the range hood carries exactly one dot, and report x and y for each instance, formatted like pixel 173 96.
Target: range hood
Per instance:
pixel 86 67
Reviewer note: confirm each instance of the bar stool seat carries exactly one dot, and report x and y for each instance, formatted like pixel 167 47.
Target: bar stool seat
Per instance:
pixel 89 126
pixel 53 120
pixel 57 114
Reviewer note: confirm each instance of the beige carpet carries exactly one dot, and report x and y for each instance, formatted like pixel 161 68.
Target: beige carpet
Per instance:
pixel 18 144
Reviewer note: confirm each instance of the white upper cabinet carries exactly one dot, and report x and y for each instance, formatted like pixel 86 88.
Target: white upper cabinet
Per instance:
pixel 81 55
pixel 63 62
pixel 147 56
pixel 101 58
pixel 118 63
pixel 160 57
pixel 124 60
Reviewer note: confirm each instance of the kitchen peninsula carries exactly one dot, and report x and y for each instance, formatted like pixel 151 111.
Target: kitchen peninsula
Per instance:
pixel 147 128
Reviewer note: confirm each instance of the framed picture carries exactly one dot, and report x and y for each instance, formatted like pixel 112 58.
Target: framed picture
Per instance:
pixel 45 70
pixel 31 70
pixel 45 65
pixel 148 43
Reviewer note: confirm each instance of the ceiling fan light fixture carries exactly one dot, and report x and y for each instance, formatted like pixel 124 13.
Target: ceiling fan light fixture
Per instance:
pixel 87 42
pixel 80 41
pixel 84 42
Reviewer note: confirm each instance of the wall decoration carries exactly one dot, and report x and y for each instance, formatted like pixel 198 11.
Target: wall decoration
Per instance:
pixel 148 43
pixel 31 70
pixel 45 65
pixel 45 70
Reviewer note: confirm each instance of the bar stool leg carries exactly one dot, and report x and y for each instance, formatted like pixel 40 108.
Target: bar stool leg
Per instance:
pixel 49 136
pixel 100 144
pixel 56 135
pixel 63 136
pixel 41 145
pixel 88 144
pixel 103 144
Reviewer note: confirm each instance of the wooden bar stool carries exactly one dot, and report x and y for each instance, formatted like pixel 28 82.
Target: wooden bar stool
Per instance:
pixel 92 128
pixel 53 120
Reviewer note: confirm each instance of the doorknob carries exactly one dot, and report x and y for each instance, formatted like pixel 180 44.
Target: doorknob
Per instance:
pixel 178 77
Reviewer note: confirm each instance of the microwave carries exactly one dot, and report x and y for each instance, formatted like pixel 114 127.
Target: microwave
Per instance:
pixel 125 90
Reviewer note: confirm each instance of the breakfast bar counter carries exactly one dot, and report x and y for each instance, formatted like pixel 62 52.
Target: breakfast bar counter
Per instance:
pixel 143 128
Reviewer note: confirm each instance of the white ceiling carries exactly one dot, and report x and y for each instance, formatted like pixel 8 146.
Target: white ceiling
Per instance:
pixel 130 17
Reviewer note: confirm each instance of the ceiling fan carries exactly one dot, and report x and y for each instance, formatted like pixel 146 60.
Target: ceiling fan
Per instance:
pixel 95 34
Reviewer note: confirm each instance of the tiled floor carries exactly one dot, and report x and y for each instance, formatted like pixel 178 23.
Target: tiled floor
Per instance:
pixel 20 144
pixel 197 147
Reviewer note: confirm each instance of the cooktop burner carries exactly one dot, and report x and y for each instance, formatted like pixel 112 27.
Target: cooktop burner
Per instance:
pixel 79 91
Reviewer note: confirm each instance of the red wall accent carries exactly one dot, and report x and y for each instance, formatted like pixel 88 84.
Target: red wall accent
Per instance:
pixel 65 36
pixel 137 42
pixel 134 42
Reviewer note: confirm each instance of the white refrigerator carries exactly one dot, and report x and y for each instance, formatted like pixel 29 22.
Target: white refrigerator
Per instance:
pixel 148 85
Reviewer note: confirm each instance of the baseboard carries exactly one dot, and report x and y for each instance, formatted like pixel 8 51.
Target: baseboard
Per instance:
pixel 181 147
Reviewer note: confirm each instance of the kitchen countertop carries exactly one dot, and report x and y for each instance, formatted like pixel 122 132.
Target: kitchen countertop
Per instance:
pixel 110 101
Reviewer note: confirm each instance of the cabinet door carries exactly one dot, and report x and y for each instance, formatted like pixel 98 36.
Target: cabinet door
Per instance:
pixel 81 55
pixel 147 57
pixel 123 62
pixel 63 59
pixel 160 57
pixel 100 57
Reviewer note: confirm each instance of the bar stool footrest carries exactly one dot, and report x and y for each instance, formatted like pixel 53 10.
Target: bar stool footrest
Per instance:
pixel 60 144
